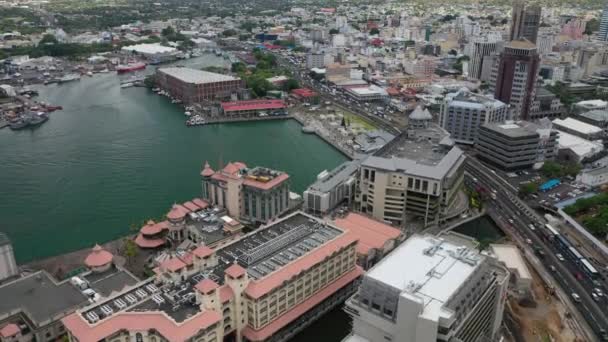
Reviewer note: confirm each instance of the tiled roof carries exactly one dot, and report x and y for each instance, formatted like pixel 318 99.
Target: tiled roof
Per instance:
pixel 98 257
pixel 235 271
pixel 370 233
pixel 9 330
pixel 140 321
pixel 152 228
pixel 258 288
pixel 202 251
pixel 206 285
pixel 144 242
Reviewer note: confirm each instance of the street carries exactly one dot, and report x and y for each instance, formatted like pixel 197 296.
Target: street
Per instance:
pixel 509 211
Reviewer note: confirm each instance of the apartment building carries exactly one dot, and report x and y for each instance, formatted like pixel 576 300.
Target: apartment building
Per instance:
pixel 266 286
pixel 448 292
pixel 196 86
pixel 418 174
pixel 517 145
pixel 332 188
pixel 463 112
pixel 255 195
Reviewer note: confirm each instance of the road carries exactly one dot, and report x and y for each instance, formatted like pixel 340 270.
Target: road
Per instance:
pixel 507 207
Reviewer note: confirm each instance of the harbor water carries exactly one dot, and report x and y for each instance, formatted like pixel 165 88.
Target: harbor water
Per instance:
pixel 116 156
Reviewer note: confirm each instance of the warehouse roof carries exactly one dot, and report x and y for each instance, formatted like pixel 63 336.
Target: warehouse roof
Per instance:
pixel 195 76
pixel 578 126
pixel 253 105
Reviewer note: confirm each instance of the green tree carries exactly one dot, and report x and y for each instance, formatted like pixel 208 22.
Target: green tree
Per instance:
pixel 551 169
pixel 130 250
pixel 528 188
pixel 592 25
pixel 484 244
pixel 229 33
pixel 48 39
pixel 150 81
pixel 334 31
pixel 374 31
pixel 167 31
pixel 290 84
pixel 238 68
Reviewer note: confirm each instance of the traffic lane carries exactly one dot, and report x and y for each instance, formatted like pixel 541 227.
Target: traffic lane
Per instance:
pixel 565 282
pixel 590 311
pixel 574 269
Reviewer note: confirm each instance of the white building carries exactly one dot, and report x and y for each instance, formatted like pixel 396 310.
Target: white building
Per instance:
pixel 513 260
pixel 594 177
pixel 369 93
pixel 462 113
pixel 315 60
pixel 444 292
pixel 152 51
pixel 8 266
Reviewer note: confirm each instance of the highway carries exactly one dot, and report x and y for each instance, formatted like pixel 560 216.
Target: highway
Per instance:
pixel 507 209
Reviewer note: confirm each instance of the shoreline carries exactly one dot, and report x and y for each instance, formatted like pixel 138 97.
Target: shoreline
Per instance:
pixel 324 138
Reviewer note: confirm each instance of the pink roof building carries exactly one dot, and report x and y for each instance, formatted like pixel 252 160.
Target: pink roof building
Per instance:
pixel 207 170
pixel 9 330
pixel 217 305
pixel 98 258
pixel 370 233
pixel 144 242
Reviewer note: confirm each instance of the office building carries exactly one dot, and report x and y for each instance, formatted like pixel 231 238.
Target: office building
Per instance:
pixel 516 145
pixel 8 265
pixel 332 188
pixel 481 49
pixel 463 112
pixel 255 195
pixel 418 174
pixel 315 60
pixel 447 292
pixel 603 31
pixel 266 286
pixel 367 93
pixel 546 105
pixel 525 21
pixel 514 77
pixel 196 86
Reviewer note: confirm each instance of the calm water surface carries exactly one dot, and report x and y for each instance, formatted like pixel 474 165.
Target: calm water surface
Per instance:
pixel 113 157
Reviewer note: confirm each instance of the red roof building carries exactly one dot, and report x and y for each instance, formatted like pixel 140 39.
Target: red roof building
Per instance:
pixel 98 259
pixel 303 93
pixel 218 302
pixel 253 107
pixel 9 330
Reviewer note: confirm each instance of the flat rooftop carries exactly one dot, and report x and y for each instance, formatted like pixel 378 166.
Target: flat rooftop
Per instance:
pixel 196 76
pixel 108 282
pixel 329 180
pixel 425 152
pixel 596 115
pixel 40 296
pixel 435 269
pixel 577 125
pixel 510 255
pixel 514 129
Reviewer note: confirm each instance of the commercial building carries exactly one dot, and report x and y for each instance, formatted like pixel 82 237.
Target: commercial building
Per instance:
pixel 153 52
pixel 572 148
pixel 588 105
pixel 546 105
pixel 525 21
pixel 516 144
pixel 417 174
pixel 8 265
pixel 598 118
pixel 603 31
pixel 421 67
pixel 196 86
pixel 447 292
pixel 255 195
pixel 514 77
pixel 316 60
pixel 31 307
pixel 266 286
pixel 481 49
pixel 593 177
pixel 253 108
pixel 463 112
pixel 369 93
pixel 578 128
pixel 332 188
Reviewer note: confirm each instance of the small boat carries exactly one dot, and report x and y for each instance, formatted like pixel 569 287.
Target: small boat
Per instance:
pixel 19 124
pixel 127 85
pixel 53 108
pixel 104 71
pixel 122 68
pixel 38 119
pixel 187 113
pixel 89 73
pixel 68 78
